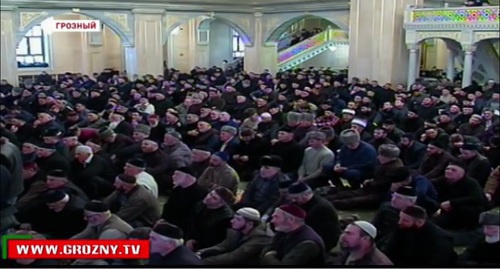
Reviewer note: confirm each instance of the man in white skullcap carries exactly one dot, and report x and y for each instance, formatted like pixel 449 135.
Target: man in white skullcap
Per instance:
pixel 358 246
pixel 244 241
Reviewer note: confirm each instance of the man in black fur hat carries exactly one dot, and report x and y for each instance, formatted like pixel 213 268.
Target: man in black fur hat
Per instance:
pixel 485 251
pixel 263 191
pixel 167 247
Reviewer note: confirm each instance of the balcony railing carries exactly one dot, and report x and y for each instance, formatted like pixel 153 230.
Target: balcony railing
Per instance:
pixel 455 15
pixel 312 42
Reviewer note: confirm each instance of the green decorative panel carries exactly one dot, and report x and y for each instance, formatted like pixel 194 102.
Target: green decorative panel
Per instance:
pixel 456 15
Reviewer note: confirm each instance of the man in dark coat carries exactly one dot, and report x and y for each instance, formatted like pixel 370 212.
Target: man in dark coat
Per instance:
pixel 201 160
pixel 247 154
pixel 92 173
pixel 263 191
pixel 210 219
pixel 412 151
pixel 120 125
pixel 418 242
pixel 387 217
pixel 33 201
pixel 295 243
pixel 478 167
pixel 167 247
pixel 23 129
pixel 113 142
pixel 289 150
pixel 11 182
pixel 183 198
pixel 33 177
pixel 62 217
pixel 462 199
pixel 52 136
pixel 485 251
pixel 321 215
pixel 50 159
pixel 157 162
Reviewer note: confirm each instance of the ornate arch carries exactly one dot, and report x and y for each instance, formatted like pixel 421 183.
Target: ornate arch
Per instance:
pixel 175 20
pixel 451 44
pixel 276 27
pixel 118 22
pixel 205 24
pixel 486 36
pixel 446 36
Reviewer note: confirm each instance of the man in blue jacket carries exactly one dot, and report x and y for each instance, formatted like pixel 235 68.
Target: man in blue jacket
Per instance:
pixel 356 160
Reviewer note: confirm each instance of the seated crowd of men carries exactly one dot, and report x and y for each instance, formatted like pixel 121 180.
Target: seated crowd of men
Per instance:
pixel 89 157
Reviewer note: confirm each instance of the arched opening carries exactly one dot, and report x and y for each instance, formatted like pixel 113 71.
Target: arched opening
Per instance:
pixel 212 41
pixel 298 29
pixel 226 44
pixel 486 58
pixel 41 49
pixel 440 58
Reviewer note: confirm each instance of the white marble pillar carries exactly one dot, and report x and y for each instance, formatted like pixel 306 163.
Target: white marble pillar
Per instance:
pixel 450 66
pixel 146 56
pixel 412 64
pixel 261 56
pixel 131 66
pixel 8 67
pixel 377 47
pixel 468 57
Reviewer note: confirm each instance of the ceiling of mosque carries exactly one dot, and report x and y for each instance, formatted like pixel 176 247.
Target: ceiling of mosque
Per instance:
pixel 187 5
pixel 202 5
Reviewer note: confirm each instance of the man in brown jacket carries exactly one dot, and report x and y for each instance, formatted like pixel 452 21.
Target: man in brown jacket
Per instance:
pixel 243 244
pixel 133 202
pixel 295 243
pixel 102 224
pixel 436 160
pixel 219 174
pixel 492 187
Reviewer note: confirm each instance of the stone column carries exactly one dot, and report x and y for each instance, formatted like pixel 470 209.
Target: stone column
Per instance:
pixel 468 57
pixel 377 47
pixel 261 56
pixel 131 65
pixel 412 64
pixel 450 67
pixel 8 67
pixel 146 56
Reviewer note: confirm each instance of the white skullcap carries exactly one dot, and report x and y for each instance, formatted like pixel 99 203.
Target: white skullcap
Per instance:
pixel 359 122
pixel 84 149
pixel 348 111
pixel 266 115
pixel 249 213
pixel 367 228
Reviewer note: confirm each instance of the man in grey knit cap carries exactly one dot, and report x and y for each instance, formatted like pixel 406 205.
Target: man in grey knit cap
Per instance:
pixel 355 163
